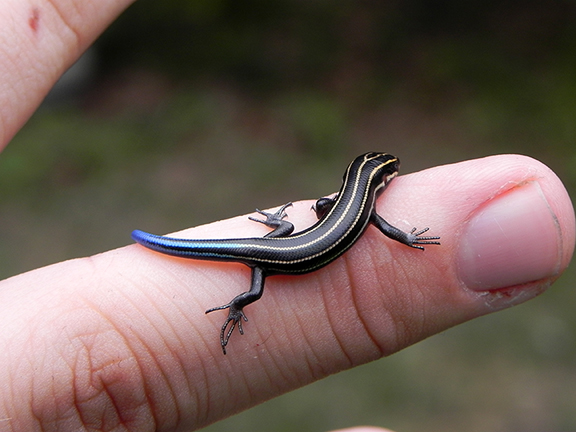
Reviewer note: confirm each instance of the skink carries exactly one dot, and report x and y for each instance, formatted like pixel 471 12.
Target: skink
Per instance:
pixel 341 221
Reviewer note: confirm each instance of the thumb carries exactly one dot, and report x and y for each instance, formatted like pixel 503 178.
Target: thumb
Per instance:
pixel 122 338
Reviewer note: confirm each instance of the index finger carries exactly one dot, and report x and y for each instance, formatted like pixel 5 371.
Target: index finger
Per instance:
pixel 39 40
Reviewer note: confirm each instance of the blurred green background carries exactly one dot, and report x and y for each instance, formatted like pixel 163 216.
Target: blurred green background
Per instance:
pixel 197 110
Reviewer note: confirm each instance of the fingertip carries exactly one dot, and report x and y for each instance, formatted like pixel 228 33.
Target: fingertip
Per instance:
pixel 522 231
pixel 513 239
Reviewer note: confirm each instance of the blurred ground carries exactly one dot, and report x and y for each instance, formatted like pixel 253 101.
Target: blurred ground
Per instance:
pixel 193 111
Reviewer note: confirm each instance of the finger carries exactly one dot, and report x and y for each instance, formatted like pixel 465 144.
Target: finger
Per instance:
pixel 507 228
pixel 40 40
pixel 123 338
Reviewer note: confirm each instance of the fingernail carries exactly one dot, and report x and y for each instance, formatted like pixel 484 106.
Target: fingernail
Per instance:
pixel 512 240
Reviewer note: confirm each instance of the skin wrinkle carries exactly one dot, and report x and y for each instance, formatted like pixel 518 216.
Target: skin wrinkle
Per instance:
pixel 176 353
pixel 284 370
pixel 390 293
pixel 348 289
pixel 35 411
pixel 309 370
pixel 317 364
pixel 252 391
pixel 272 385
pixel 325 291
pixel 22 363
pixel 106 417
pixel 376 246
pixel 304 371
pixel 246 374
pixel 354 301
pixel 56 416
pixel 103 387
pixel 405 330
pixel 440 268
pixel 117 406
pixel 67 23
pixel 76 366
pixel 167 322
pixel 153 301
pixel 198 273
pixel 308 346
pixel 558 229
pixel 303 374
pixel 155 362
pixel 55 369
pixel 194 400
pixel 305 345
pixel 413 326
pixel 10 403
pixel 312 363
pixel 286 314
pixel 139 376
pixel 560 237
pixel 416 326
pixel 238 391
pixel 206 269
pixel 279 369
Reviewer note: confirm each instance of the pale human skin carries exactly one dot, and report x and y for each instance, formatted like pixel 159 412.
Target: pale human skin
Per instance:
pixel 120 341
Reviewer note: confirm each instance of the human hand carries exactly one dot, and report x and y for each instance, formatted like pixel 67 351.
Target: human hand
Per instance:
pixel 121 339
pixel 40 40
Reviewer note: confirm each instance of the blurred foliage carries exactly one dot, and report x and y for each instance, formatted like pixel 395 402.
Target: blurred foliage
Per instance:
pixel 504 70
pixel 204 109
